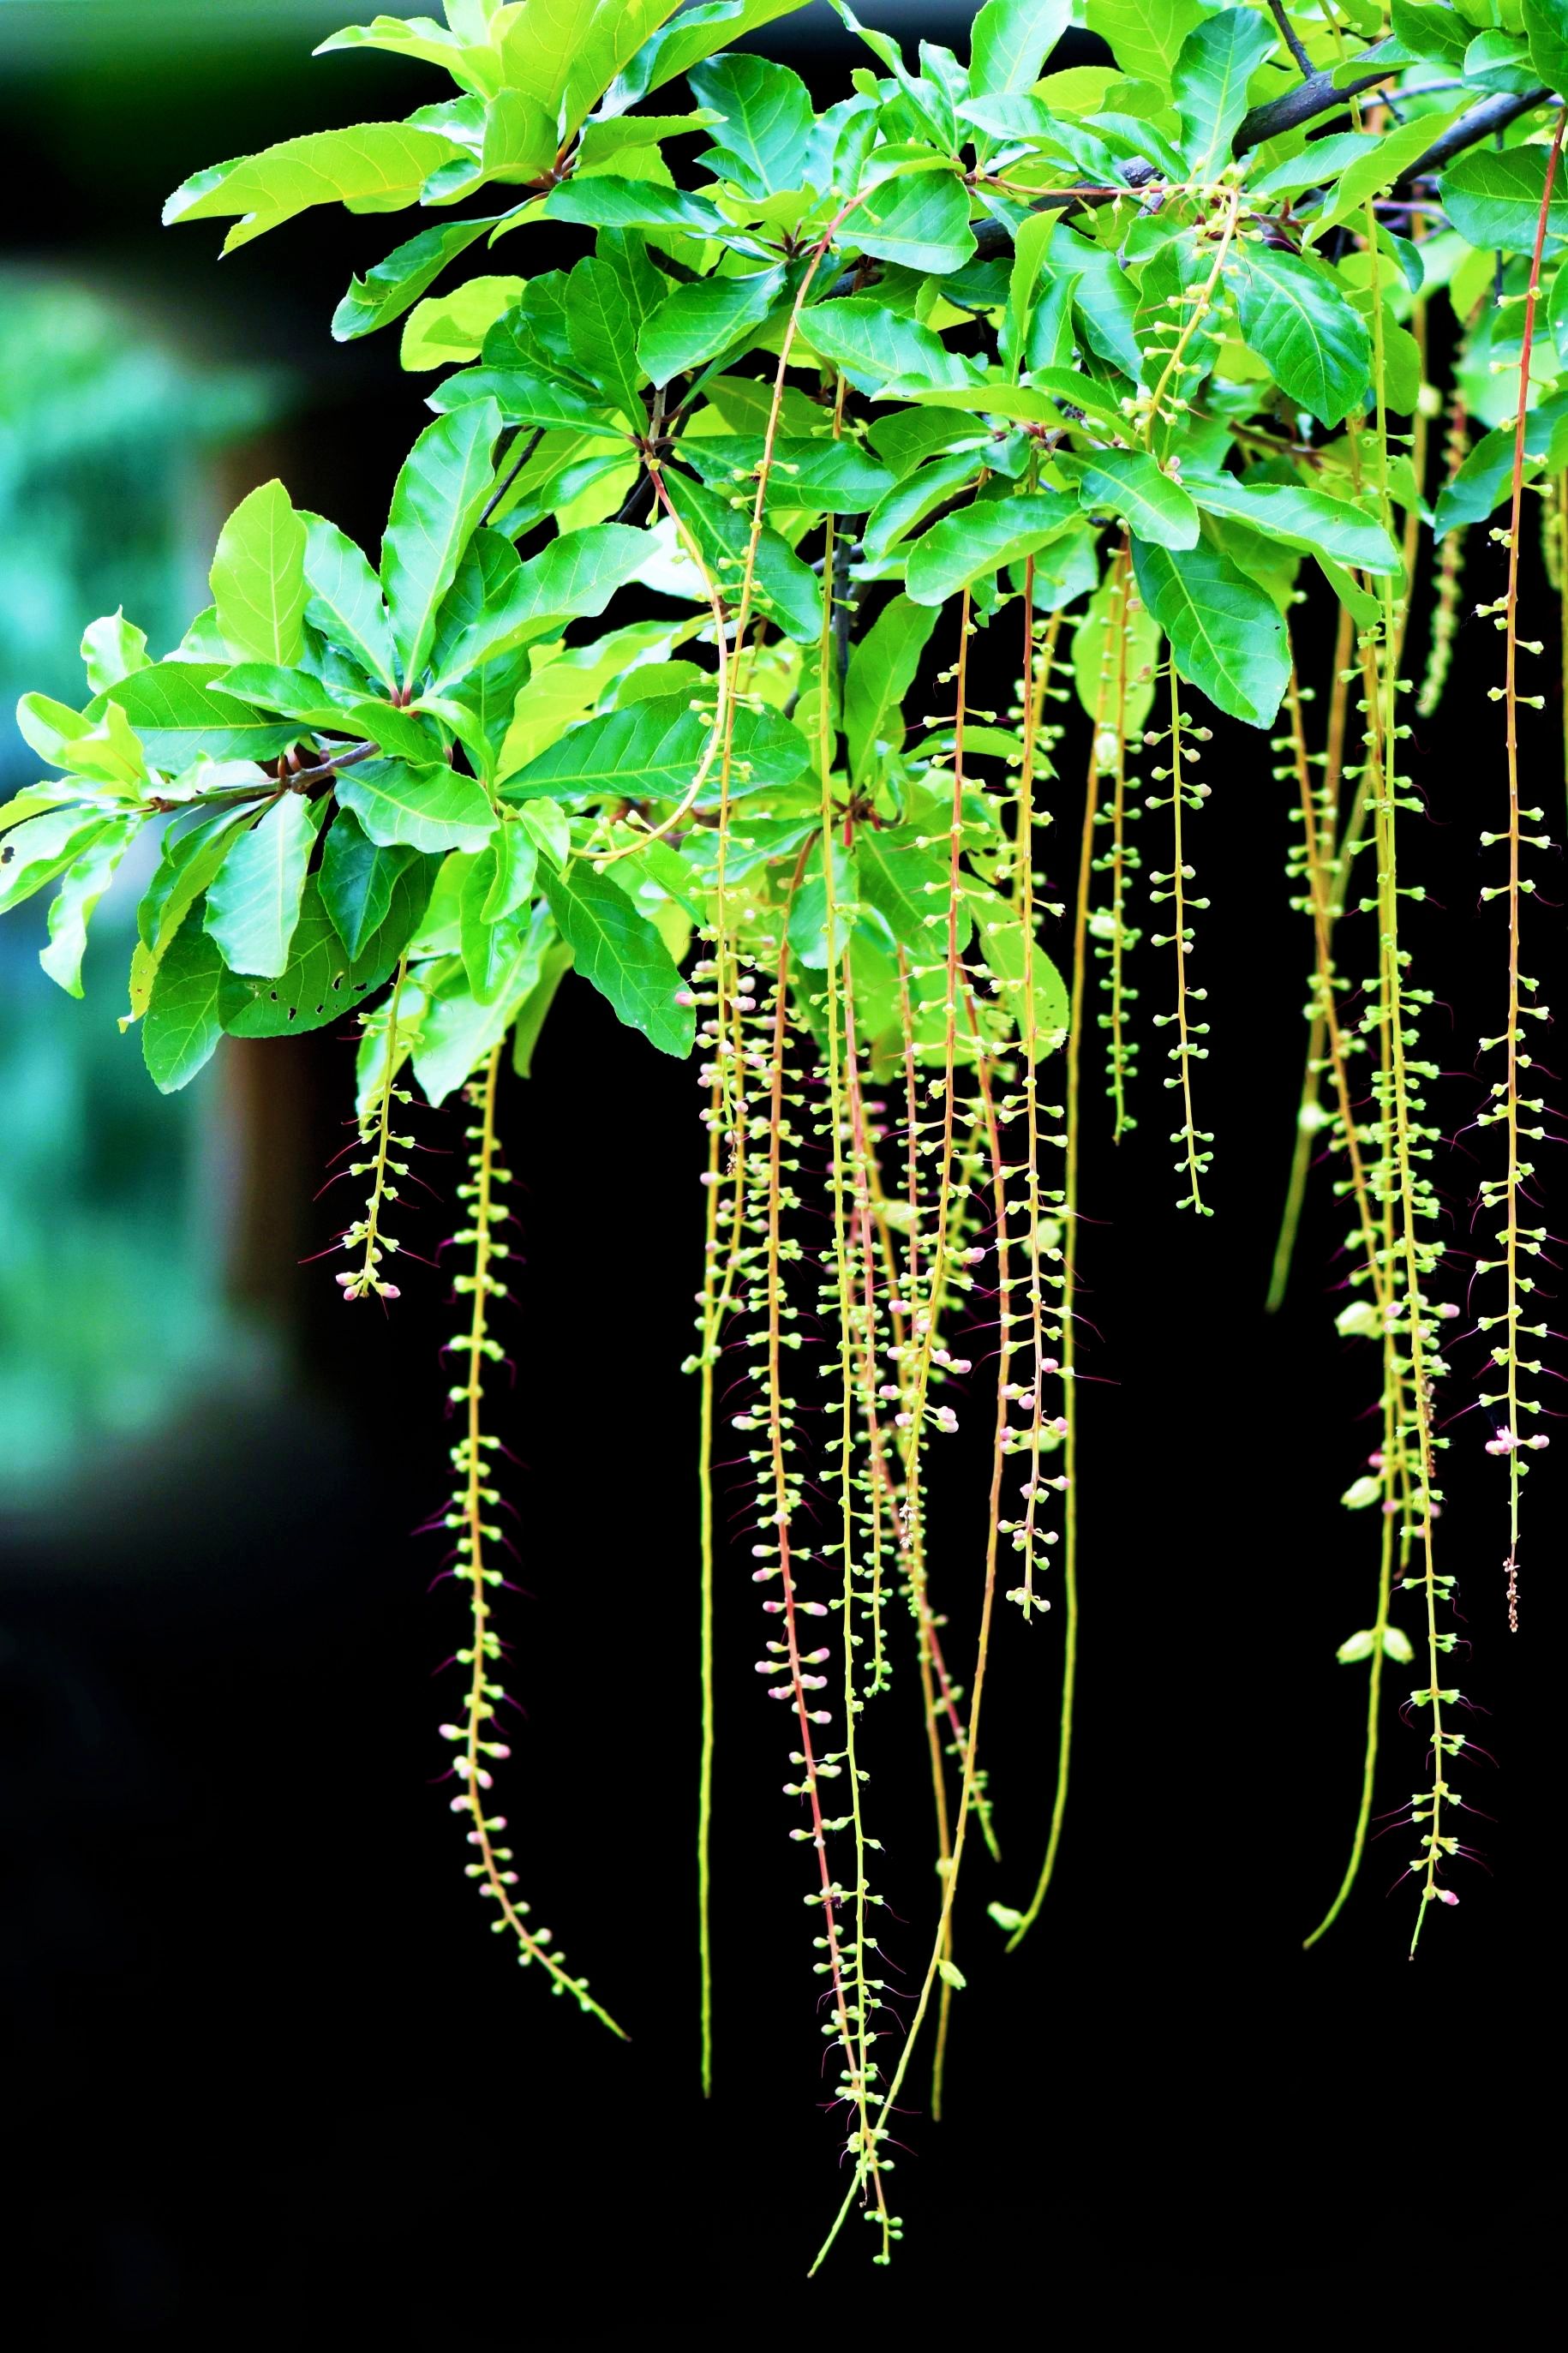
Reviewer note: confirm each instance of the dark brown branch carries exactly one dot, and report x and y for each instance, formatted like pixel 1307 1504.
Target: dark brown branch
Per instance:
pixel 1319 95
pixel 1492 114
pixel 1290 38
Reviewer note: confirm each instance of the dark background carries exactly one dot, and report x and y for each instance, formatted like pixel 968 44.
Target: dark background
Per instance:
pixel 266 2068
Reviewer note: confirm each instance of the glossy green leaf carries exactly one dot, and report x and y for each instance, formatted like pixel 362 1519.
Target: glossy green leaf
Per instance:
pixel 389 290
pixel 372 167
pixel 1368 176
pixel 907 882
pixel 1546 30
pixel 553 968
pixel 621 955
pixel 320 983
pixel 1226 634
pixel 179 709
pixel 920 220
pixel 982 539
pixel 603 335
pixel 1010 40
pixel 696 34
pixel 783 588
pixel 1209 79
pixel 182 1027
pixel 606 201
pixel 1494 199
pixel 882 666
pixel 112 649
pixel 1129 484
pixel 766 122
pixel 539 403
pixel 82 885
pixel 425 808
pixel 515 854
pixel 1145 36
pixel 816 477
pixel 345 600
pixel 874 347
pixel 253 904
pixel 575 577
pixel 439 496
pixel 696 324
pixel 1116 649
pixel 999 937
pixel 451 328
pixel 259 579
pixel 356 879
pixel 1295 317
pixel 1305 518
pixel 34 852
pixel 488 947
pixel 192 855
pixel 652 751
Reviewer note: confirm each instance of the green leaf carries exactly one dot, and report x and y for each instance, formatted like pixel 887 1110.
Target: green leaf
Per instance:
pixel 920 218
pixel 1494 199
pixel 1318 166
pixel 983 538
pixel 253 904
pixel 112 649
pixel 602 334
pixel 1209 79
pixel 372 167
pixel 605 201
pixel 784 588
pixel 357 880
pixel 651 751
pixel 515 856
pixel 1114 668
pixel 621 955
pixel 432 44
pixel 1129 482
pixel 1356 1647
pixel 1145 36
pixel 178 710
pixel 425 808
pixel 536 1005
pixel 82 885
pixel 190 858
pixel 488 948
pixel 695 34
pixel 100 747
pixel 696 322
pixel 1295 317
pixel 320 983
pixel 907 886
pixel 1308 519
pixel 874 346
pixel 1000 937
pixel 438 499
pixel 815 476
pixel 384 292
pixel 452 327
pixel 182 1027
pixel 1486 474
pixel 525 397
pixel 259 579
pixel 574 579
pixel 768 118
pixel 345 603
pixel 1010 40
pixel 882 666
pixel 1546 30
pixel 1432 29
pixel 1227 635
pixel 1369 174
pixel 519 143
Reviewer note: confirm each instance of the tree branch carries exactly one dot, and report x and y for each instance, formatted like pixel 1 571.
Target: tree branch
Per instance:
pixel 1492 114
pixel 1319 95
pixel 1290 38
